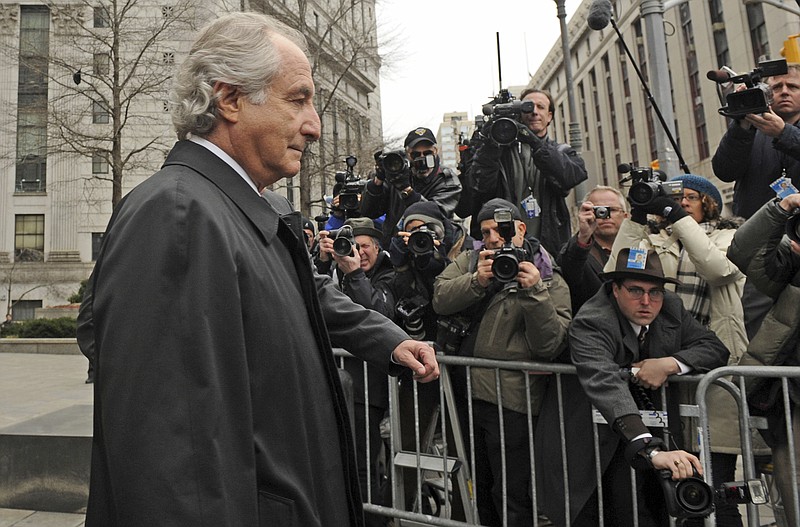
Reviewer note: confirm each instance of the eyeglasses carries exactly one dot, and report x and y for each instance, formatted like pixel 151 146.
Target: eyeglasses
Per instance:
pixel 656 294
pixel 415 154
pixel 691 197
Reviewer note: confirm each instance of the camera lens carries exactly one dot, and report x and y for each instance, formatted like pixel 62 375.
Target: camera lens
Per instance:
pixel 394 162
pixel 642 193
pixel 420 242
pixel 504 131
pixel 793 228
pixel 693 495
pixel 343 246
pixel 505 267
pixel 602 213
pixel 348 201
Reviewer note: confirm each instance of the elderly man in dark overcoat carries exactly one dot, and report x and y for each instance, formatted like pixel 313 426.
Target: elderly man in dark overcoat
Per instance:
pixel 217 401
pixel 631 323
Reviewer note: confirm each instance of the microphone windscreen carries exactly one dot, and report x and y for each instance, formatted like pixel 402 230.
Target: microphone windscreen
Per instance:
pixel 718 75
pixel 600 13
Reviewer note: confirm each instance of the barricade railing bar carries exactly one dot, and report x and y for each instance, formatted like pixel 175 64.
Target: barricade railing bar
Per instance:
pixel 441 458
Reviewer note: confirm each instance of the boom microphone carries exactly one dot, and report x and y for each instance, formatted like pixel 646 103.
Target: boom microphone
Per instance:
pixel 718 76
pixel 600 13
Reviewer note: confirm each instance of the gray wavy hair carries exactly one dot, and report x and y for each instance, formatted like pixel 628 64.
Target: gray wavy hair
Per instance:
pixel 236 49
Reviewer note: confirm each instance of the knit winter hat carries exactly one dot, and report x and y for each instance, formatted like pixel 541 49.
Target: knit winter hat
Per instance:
pixel 488 210
pixel 700 184
pixel 428 212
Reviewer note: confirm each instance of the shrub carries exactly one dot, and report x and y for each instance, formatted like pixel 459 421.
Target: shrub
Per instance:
pixel 41 328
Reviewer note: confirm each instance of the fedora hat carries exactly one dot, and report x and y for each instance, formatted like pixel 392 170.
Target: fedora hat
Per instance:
pixel 633 267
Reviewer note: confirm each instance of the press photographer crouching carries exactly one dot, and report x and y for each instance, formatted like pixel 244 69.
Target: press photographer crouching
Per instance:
pixel 521 318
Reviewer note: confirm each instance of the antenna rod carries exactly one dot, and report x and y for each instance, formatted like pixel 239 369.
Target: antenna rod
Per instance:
pixel 499 70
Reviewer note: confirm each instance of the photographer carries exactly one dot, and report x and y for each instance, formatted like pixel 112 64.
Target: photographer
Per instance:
pixel 524 316
pixel 534 173
pixel 758 149
pixel 633 323
pixel 691 241
pixel 772 262
pixel 366 276
pixel 423 179
pixel 583 257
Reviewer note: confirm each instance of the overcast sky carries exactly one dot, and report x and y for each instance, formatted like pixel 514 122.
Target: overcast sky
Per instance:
pixel 441 55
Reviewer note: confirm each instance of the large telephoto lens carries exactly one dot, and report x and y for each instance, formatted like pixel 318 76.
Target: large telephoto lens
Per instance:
pixel 504 131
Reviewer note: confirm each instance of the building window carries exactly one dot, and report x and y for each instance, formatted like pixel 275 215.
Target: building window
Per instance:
pixel 720 37
pixel 99 164
pixel 25 309
pixel 99 113
pixel 29 237
pixel 97 243
pixel 758 31
pixel 101 18
pixel 101 64
pixel 34 49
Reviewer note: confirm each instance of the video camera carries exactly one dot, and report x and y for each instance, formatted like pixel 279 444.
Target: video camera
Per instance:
pixel 758 95
pixel 694 498
pixel 411 311
pixel 505 265
pixel 352 187
pixel 505 113
pixel 647 185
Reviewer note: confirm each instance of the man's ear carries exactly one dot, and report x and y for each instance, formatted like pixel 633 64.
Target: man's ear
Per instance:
pixel 228 100
pixel 521 227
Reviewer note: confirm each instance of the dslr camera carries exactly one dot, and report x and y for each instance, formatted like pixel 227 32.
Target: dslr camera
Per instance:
pixel 505 113
pixel 694 498
pixel 505 264
pixel 793 227
pixel 646 186
pixel 352 187
pixel 420 243
pixel 757 97
pixel 344 242
pixel 394 164
pixel 411 311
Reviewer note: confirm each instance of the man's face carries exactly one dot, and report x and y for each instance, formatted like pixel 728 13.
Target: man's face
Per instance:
pixel 641 311
pixel 419 153
pixel 492 238
pixel 309 235
pixel 268 140
pixel 368 251
pixel 607 228
pixel 786 95
pixel 540 118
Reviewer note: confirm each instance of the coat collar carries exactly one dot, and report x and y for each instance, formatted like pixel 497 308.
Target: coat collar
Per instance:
pixel 260 213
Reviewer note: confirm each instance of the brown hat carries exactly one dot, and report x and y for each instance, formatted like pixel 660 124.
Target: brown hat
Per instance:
pixel 363 227
pixel 632 266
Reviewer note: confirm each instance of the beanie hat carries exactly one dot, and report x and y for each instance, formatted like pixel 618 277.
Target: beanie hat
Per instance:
pixel 429 213
pixel 308 224
pixel 700 184
pixel 488 210
pixel 363 227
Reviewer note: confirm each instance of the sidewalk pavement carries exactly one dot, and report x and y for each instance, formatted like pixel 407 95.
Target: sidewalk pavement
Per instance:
pixel 32 385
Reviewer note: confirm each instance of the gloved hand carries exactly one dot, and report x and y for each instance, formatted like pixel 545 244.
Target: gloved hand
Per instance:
pixel 525 135
pixel 380 173
pixel 400 181
pixel 659 204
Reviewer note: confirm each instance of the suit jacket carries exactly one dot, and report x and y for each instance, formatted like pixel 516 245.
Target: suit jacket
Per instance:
pixel 602 342
pixel 217 401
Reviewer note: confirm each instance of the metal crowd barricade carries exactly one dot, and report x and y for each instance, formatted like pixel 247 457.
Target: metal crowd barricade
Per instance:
pixel 443 457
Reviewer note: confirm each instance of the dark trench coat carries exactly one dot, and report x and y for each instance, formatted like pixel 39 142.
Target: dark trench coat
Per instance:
pixel 217 401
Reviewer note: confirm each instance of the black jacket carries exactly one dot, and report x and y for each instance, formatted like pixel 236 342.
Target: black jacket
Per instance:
pixel 581 268
pixel 442 186
pixel 560 169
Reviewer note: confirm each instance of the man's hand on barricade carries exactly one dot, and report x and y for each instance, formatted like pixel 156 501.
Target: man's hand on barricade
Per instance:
pixel 419 358
pixel 654 372
pixel 682 464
